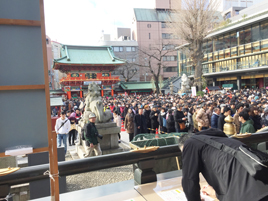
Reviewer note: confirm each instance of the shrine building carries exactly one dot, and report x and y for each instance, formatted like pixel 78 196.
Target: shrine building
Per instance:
pixel 87 64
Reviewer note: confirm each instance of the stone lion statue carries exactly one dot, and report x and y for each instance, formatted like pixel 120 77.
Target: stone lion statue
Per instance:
pixel 94 105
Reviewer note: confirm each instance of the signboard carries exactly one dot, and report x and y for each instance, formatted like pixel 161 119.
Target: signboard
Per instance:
pixel 24 94
pixel 91 82
pixel 193 91
pixel 105 74
pixel 91 75
pixel 75 75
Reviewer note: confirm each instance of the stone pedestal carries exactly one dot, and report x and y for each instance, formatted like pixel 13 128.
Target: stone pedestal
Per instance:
pixel 109 142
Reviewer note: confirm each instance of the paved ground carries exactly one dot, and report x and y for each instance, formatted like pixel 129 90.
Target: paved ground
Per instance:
pixel 101 177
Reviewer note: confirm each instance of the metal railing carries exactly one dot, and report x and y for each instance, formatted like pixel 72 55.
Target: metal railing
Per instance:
pixel 144 161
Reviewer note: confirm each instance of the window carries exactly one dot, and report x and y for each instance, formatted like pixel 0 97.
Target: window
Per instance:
pixel 241 37
pixel 163 25
pixel 166 35
pixel 255 33
pixel 210 46
pixel 228 15
pixel 121 49
pixel 247 34
pixel 170 58
pixel 149 25
pixel 233 39
pixel 170 69
pixel 133 49
pixel 128 49
pixel 168 47
pixel 47 41
pixel 264 30
pixel 116 49
pixel 133 59
pixel 237 12
pixel 226 41
pixel 149 35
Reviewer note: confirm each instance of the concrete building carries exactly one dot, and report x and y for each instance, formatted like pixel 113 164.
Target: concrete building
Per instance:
pixel 150 30
pixel 236 55
pixel 231 12
pixel 56 46
pixel 227 4
pixel 126 49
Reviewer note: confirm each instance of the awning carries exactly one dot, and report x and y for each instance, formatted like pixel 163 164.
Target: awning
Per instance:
pixel 56 101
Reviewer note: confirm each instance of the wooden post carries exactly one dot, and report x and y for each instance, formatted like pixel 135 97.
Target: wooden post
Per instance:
pixel 53 161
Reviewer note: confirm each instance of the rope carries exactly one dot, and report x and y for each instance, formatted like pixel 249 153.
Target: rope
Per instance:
pixel 51 175
pixel 160 132
pixel 7 197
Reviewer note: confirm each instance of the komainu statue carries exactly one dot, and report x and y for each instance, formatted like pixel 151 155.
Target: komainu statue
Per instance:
pixel 94 104
pixel 185 82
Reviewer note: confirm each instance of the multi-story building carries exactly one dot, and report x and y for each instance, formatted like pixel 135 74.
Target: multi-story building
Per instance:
pixel 236 53
pixel 231 12
pixel 126 49
pixel 149 29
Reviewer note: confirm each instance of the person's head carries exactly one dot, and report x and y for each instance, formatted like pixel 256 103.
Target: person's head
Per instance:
pixel 63 114
pixel 232 105
pixel 183 138
pixel 170 112
pixel 68 113
pixel 92 117
pixel 179 107
pixel 140 111
pixel 130 110
pixel 239 107
pixel 204 106
pixel 227 111
pixel 77 111
pixel 155 108
pixel 146 107
pixel 254 111
pixel 217 111
pixel 185 112
pixel 243 116
pixel 210 106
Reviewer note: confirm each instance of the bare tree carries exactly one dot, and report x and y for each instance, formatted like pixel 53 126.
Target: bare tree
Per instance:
pixel 128 71
pixel 153 58
pixel 192 23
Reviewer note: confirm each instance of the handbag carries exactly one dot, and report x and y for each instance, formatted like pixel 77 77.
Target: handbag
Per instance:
pixel 182 126
pixel 254 161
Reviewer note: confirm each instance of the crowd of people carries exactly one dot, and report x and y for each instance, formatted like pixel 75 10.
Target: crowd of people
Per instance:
pixel 173 113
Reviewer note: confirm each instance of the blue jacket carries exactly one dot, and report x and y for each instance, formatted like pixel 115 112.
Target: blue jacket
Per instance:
pixel 214 120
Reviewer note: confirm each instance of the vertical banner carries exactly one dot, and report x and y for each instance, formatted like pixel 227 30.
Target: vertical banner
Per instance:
pixel 193 91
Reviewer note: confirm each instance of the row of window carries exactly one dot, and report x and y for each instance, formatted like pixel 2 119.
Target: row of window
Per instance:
pixel 163 25
pixel 242 36
pixel 170 58
pixel 121 49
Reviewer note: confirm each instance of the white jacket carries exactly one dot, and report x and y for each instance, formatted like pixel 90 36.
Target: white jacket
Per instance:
pixel 65 128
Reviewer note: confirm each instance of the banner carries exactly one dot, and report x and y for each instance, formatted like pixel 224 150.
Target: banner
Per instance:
pixel 91 82
pixel 193 91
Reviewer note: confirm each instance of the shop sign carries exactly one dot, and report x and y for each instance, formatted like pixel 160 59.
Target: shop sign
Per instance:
pixel 91 75
pixel 91 82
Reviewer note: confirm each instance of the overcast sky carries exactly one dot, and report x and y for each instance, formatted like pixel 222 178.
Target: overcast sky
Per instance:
pixel 80 22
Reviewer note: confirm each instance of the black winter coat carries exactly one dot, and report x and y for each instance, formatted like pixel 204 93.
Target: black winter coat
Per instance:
pixel 139 121
pixel 221 121
pixel 257 122
pixel 146 113
pixel 154 119
pixel 221 170
pixel 178 115
pixel 170 124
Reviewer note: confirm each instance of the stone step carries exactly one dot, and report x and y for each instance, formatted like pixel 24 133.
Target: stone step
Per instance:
pixel 74 154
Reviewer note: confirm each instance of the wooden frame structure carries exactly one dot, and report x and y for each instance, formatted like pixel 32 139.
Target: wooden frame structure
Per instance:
pixel 52 145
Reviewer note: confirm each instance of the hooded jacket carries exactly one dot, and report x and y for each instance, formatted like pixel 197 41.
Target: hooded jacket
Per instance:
pixel 221 170
pixel 214 120
pixel 247 127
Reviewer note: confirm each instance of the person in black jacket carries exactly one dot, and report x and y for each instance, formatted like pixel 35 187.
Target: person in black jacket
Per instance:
pixel 179 118
pixel 221 121
pixel 154 119
pixel 222 171
pixel 139 123
pixel 147 113
pixel 256 118
pixel 170 122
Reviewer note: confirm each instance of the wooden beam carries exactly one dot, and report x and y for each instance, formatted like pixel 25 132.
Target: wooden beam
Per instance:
pixel 38 150
pixel 20 22
pixel 52 145
pixel 22 87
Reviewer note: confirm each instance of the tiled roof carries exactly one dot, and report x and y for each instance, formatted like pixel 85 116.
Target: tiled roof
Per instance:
pixel 88 55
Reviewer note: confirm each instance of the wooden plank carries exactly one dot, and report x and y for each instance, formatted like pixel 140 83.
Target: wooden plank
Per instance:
pixel 38 150
pixel 53 162
pixel 22 87
pixel 20 22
